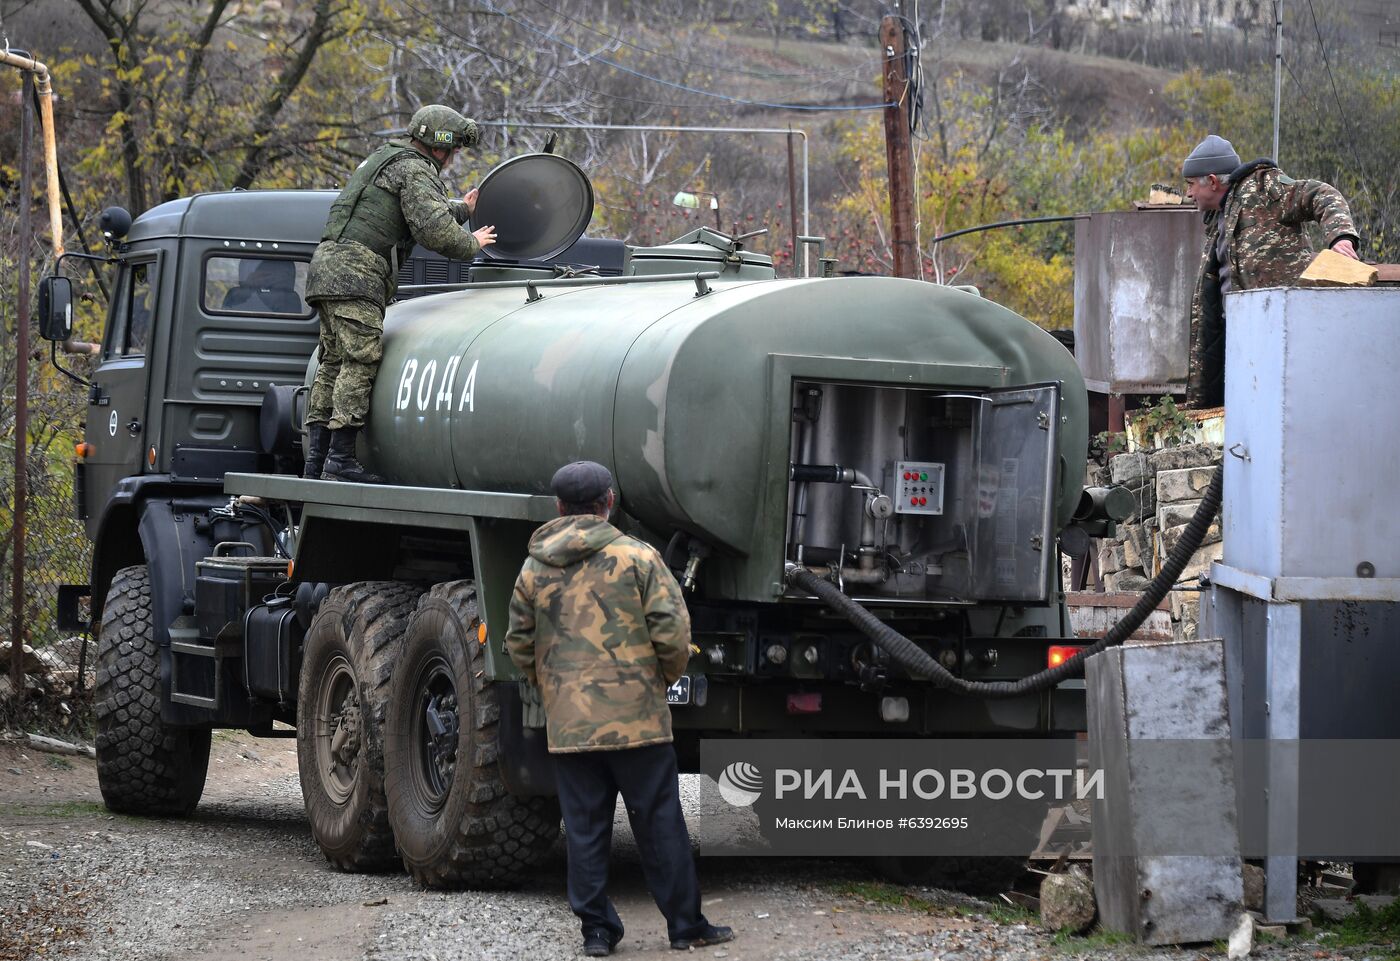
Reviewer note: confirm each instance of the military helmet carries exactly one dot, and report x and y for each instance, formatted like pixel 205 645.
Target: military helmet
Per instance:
pixel 437 125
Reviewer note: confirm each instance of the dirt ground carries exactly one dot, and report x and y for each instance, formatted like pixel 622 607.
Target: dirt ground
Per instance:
pixel 243 879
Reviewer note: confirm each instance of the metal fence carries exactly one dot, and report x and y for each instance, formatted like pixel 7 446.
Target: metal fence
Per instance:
pixel 56 664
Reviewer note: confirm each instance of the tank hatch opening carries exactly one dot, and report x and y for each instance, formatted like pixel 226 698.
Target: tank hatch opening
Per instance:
pixel 924 494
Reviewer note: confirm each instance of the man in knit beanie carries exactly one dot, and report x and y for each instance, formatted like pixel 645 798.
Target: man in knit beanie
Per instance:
pixel 1254 215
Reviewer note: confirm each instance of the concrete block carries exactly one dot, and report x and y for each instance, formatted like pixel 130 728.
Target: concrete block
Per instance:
pixel 1130 470
pixel 1199 564
pixel 1187 455
pixel 1174 515
pixel 1125 581
pixel 1186 484
pixel 1173 534
pixel 1138 698
pixel 1110 558
pixel 1132 557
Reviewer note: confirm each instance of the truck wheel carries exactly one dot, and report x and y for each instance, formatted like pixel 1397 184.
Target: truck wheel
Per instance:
pixel 340 743
pixel 970 875
pixel 143 767
pixel 456 824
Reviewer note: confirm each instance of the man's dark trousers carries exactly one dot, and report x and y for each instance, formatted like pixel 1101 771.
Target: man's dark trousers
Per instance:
pixel 589 782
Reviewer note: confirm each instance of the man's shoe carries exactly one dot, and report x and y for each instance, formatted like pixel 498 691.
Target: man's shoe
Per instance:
pixel 341 464
pixel 710 934
pixel 597 944
pixel 318 442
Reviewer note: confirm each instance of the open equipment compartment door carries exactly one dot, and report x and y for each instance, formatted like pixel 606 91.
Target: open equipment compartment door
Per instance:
pixel 1014 544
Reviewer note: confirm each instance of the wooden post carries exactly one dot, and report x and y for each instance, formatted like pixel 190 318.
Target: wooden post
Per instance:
pixel 898 150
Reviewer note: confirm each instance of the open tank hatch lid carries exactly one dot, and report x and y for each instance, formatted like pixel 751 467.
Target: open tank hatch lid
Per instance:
pixel 539 204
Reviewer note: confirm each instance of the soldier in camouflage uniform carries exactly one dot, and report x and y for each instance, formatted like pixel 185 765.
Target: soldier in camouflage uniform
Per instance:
pixel 599 623
pixel 394 199
pixel 1254 215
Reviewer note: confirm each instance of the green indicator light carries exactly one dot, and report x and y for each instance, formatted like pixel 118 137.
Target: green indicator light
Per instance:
pixel 923 477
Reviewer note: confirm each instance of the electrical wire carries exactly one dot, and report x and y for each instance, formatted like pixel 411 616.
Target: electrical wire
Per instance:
pixel 1346 121
pixel 543 75
pixel 760 74
pixel 698 91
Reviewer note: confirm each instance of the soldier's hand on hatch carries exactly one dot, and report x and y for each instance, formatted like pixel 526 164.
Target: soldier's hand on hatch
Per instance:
pixel 1345 248
pixel 486 236
pixel 470 200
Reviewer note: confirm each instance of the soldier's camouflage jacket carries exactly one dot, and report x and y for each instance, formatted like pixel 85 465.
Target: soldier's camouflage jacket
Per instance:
pixel 406 202
pixel 598 621
pixel 1264 213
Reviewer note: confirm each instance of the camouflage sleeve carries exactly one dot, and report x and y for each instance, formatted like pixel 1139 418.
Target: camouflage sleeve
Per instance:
pixel 460 211
pixel 520 638
pixel 668 620
pixel 431 216
pixel 1306 200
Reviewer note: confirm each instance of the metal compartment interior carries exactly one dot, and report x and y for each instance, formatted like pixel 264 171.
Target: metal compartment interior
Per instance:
pixel 942 495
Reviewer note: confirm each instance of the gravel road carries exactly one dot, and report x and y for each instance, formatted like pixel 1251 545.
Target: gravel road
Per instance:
pixel 244 880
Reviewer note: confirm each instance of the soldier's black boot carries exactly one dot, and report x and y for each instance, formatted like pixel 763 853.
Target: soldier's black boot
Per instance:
pixel 341 464
pixel 318 440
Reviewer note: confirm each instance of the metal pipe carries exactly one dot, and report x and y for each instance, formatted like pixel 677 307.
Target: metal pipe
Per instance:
pixel 21 508
pixel 563 282
pixel 42 93
pixel 1278 69
pixel 1006 223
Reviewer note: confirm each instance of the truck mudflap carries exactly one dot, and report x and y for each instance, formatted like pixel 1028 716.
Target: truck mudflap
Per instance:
pixel 526 766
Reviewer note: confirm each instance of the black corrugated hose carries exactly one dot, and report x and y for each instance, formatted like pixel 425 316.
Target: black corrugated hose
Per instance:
pixel 914 659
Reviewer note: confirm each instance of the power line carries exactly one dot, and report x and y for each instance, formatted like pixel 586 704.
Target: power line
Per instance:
pixel 546 35
pixel 1346 121
pixel 760 74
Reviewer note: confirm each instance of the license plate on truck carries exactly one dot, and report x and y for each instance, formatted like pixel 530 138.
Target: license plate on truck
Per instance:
pixel 679 692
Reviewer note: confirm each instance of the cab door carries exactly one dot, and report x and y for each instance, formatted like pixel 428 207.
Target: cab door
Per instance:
pixel 116 416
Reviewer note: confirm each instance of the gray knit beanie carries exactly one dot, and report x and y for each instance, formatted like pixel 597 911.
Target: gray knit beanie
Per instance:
pixel 1213 155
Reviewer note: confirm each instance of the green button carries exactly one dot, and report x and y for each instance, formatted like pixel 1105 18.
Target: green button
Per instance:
pixel 923 477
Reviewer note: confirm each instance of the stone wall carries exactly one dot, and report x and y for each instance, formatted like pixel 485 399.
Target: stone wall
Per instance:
pixel 1168 485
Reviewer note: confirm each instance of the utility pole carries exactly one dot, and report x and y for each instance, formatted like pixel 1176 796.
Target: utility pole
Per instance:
pixel 898 151
pixel 1278 71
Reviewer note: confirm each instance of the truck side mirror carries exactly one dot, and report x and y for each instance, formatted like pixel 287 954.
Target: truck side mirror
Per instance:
pixel 55 308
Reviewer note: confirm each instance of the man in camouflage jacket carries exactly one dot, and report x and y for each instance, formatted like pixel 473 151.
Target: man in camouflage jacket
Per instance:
pixel 394 199
pixel 1254 215
pixel 598 622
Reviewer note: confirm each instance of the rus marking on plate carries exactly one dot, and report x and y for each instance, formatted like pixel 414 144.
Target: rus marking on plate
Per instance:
pixel 112 423
pixel 679 692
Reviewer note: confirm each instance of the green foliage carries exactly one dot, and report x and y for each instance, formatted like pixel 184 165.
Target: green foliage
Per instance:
pixel 1349 138
pixel 1164 420
pixel 1095 941
pixel 1367 926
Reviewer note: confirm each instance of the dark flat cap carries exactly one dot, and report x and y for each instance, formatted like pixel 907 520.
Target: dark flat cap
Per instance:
pixel 581 482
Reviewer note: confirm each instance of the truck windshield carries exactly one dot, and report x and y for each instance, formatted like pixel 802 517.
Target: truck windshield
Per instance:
pixel 255 285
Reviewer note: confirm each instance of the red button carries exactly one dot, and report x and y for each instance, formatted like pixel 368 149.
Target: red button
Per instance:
pixel 923 501
pixel 907 475
pixel 913 502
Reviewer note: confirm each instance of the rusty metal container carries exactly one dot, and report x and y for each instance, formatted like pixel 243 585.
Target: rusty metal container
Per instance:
pixel 1134 272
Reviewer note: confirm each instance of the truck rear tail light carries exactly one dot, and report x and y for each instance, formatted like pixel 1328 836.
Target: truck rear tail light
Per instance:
pixel 1059 653
pixel 809 703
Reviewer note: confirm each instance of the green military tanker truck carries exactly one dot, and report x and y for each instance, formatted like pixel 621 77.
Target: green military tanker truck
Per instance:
pixel 915 446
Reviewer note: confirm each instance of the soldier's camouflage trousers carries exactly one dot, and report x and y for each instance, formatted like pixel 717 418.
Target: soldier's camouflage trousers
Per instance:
pixel 351 348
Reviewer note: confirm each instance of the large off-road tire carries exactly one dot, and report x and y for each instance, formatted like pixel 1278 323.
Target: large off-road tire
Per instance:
pixel 143 766
pixel 455 822
pixel 340 745
pixel 970 875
